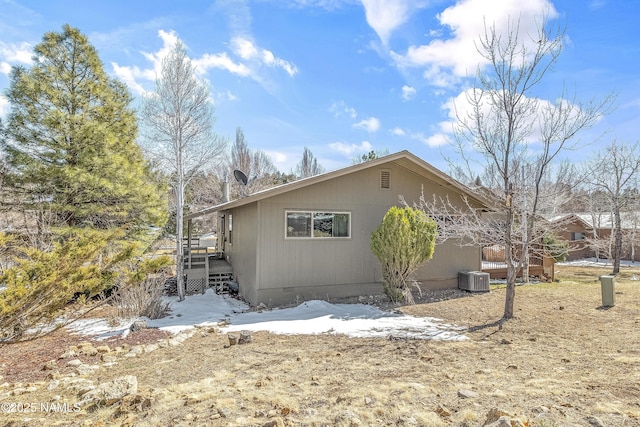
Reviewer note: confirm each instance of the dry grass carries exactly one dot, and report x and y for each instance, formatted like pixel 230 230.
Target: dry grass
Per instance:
pixel 561 360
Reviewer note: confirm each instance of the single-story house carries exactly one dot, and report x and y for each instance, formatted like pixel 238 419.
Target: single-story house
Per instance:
pixel 310 239
pixel 577 231
pixel 591 234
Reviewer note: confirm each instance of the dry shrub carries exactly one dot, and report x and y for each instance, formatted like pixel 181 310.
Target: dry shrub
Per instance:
pixel 143 299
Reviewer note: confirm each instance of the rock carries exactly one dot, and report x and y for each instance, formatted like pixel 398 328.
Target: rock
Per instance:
pixel 274 422
pixel 233 339
pixel 595 421
pixel 86 369
pixel 504 421
pixel 107 358
pixel 224 412
pixel 494 415
pixel 50 365
pixel 68 354
pixel 135 403
pixel 74 362
pixel 442 411
pixel 467 394
pixel 79 385
pixel 368 401
pixel 137 349
pixel 245 338
pixel 348 418
pixel 150 347
pixel 110 392
pixel 138 325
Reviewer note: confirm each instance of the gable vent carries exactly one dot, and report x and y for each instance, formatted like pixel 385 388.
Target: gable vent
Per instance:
pixel 385 179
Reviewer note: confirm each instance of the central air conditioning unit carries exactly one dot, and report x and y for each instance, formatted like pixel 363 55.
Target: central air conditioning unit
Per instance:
pixel 473 281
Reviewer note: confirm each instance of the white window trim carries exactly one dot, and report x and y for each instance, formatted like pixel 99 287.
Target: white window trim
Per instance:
pixel 312 212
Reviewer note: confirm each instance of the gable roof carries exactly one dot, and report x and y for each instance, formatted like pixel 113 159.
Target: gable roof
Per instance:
pixel 567 218
pixel 403 159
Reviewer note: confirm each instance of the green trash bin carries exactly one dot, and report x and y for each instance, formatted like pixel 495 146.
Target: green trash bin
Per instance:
pixel 608 295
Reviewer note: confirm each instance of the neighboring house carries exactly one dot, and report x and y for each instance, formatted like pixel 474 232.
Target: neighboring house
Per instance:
pixel 591 234
pixel 577 232
pixel 310 239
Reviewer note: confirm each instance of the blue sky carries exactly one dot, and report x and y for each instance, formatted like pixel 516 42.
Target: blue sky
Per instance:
pixel 342 77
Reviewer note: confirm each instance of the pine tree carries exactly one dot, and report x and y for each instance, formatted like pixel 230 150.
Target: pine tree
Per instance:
pixel 70 141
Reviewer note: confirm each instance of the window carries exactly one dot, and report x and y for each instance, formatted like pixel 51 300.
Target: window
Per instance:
pixel 230 229
pixel 577 236
pixel 318 225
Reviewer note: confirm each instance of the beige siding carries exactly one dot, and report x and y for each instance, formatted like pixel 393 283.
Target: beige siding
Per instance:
pixel 242 252
pixel 317 268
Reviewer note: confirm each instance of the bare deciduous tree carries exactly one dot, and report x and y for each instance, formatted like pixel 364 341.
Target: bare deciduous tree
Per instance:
pixel 178 117
pixel 614 173
pixel 257 165
pixel 517 137
pixel 308 165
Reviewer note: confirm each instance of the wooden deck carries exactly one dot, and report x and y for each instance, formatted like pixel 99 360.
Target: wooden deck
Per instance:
pixel 205 268
pixel 494 264
pixel 546 271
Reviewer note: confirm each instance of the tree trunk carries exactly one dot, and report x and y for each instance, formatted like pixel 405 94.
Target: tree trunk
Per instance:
pixel 617 243
pixel 180 238
pixel 512 271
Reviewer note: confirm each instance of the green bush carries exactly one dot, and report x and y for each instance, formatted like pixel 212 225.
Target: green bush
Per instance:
pixel 403 242
pixel 557 248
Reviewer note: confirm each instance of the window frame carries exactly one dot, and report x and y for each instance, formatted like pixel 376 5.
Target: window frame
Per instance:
pixel 580 234
pixel 311 229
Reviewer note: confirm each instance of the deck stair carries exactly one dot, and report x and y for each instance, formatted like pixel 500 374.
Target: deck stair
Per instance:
pixel 205 268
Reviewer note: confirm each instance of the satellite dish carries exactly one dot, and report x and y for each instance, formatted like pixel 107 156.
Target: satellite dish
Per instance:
pixel 240 176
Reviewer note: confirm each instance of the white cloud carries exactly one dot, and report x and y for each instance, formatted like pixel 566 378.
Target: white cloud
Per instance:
pixel 220 61
pixel 408 92
pixel 436 140
pixel 350 149
pixel 339 108
pixel 277 157
pixel 398 131
pixel 251 61
pixel 370 124
pixel 447 60
pixel 531 126
pixel 230 96
pixel 385 16
pixel 130 75
pixel 248 51
pixel 14 54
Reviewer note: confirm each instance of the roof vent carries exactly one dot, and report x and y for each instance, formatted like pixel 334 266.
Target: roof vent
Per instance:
pixel 385 179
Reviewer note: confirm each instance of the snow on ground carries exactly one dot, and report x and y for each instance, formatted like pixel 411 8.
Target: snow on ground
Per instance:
pixel 594 262
pixel 311 317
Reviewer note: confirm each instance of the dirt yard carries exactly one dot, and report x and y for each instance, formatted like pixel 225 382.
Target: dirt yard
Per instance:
pixel 563 361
